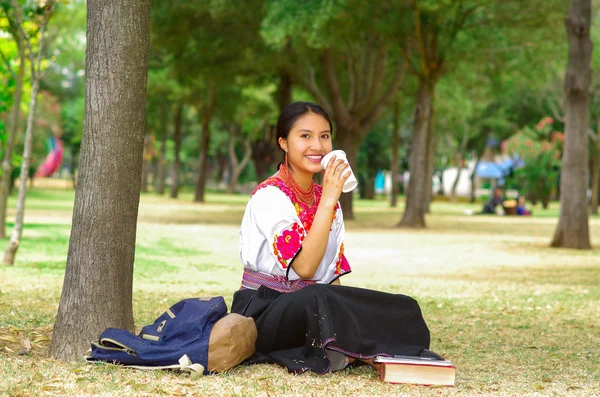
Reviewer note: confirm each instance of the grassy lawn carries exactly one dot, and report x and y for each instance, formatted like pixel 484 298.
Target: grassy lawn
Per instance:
pixel 516 317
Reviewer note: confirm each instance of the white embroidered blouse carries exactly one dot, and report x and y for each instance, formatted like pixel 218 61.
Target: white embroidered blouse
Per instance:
pixel 273 227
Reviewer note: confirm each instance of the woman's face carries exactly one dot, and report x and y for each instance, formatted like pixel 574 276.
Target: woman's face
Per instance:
pixel 308 142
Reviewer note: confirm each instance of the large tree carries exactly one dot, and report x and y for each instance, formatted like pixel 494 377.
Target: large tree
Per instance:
pixel 573 224
pixel 353 73
pixel 97 291
pixel 442 35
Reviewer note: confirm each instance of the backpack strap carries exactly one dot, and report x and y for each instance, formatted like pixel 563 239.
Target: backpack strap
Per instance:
pixel 185 365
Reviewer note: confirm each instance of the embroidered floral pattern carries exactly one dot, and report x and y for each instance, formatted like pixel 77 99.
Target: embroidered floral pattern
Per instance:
pixel 287 245
pixel 305 212
pixel 342 266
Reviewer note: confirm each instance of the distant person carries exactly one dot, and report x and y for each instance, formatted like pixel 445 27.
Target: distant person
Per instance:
pixel 521 207
pixel 497 199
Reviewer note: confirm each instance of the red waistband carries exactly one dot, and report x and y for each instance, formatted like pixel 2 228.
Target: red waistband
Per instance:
pixel 253 279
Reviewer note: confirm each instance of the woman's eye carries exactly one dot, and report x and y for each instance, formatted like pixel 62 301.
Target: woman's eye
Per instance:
pixel 325 136
pixel 304 136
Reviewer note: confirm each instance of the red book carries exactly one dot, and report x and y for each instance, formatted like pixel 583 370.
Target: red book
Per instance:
pixel 426 371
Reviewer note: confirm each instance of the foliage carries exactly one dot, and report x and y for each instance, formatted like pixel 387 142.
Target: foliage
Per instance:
pixel 540 148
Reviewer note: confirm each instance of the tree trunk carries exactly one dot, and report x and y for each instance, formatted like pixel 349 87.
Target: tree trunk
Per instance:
pixel 15 238
pixel 394 156
pixel 145 165
pixel 237 166
pixel 595 171
pixel 202 162
pixel 595 183
pixel 177 150
pixel 472 177
pixel 431 151
pixel 349 141
pixel 263 153
pixel 573 228
pixel 97 290
pixel 284 90
pixel 416 197
pixel 5 178
pixel 162 156
pixel 455 183
pixel 206 116
pixel 368 189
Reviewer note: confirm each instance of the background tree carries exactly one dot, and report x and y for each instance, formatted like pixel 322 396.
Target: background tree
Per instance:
pixel 573 228
pixel 35 63
pixel 13 124
pixel 352 73
pixel 102 244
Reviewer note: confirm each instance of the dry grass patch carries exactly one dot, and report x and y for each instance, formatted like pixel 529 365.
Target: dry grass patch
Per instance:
pixel 517 317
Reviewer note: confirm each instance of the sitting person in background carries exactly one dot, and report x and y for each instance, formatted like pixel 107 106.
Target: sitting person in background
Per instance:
pixel 497 199
pixel 521 208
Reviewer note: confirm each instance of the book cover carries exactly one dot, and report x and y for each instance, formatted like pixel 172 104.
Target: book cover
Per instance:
pixel 426 371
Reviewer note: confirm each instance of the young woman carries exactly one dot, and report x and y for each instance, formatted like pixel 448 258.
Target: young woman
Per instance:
pixel 292 249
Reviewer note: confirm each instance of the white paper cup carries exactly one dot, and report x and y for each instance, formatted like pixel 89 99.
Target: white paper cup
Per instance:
pixel 351 182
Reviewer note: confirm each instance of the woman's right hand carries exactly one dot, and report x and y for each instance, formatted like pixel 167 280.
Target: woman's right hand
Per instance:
pixel 335 176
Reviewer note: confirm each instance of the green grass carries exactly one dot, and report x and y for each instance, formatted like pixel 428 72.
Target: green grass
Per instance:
pixel 515 316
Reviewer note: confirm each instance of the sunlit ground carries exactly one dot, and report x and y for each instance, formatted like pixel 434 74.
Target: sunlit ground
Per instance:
pixel 516 317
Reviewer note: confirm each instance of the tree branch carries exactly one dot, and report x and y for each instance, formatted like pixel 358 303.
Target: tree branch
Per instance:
pixel 231 146
pixel 7 63
pixel 247 154
pixel 351 63
pixel 332 86
pixel 309 83
pixel 377 81
pixel 368 121
pixel 407 60
pixel 420 41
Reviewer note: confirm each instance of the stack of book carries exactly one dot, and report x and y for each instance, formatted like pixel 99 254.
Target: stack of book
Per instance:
pixel 428 371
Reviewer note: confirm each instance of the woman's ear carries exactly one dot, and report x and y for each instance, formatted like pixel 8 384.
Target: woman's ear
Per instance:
pixel 283 144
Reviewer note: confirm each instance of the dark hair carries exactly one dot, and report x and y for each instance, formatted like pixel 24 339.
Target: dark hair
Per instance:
pixel 292 113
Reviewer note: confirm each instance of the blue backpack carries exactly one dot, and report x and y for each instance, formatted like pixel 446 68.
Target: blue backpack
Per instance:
pixel 177 339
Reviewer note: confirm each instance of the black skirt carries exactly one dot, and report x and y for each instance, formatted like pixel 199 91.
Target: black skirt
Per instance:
pixel 295 328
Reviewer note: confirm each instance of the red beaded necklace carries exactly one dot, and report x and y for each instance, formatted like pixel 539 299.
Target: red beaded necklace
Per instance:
pixel 306 196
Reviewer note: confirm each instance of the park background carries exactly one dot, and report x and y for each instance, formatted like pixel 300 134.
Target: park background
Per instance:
pixel 430 89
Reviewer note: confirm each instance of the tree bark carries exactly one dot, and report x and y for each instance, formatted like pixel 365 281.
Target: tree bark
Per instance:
pixel 431 151
pixel 237 166
pixel 472 177
pixel 350 142
pixel 35 61
pixel 263 155
pixel 595 183
pixel 284 90
pixel 162 155
pixel 5 178
pixel 205 118
pixel 573 224
pixel 595 170
pixel 416 197
pixel 97 290
pixel 145 164
pixel 177 150
pixel 17 232
pixel 394 166
pixel 458 160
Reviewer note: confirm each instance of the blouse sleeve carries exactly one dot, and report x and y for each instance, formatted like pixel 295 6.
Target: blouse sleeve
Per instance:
pixel 276 219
